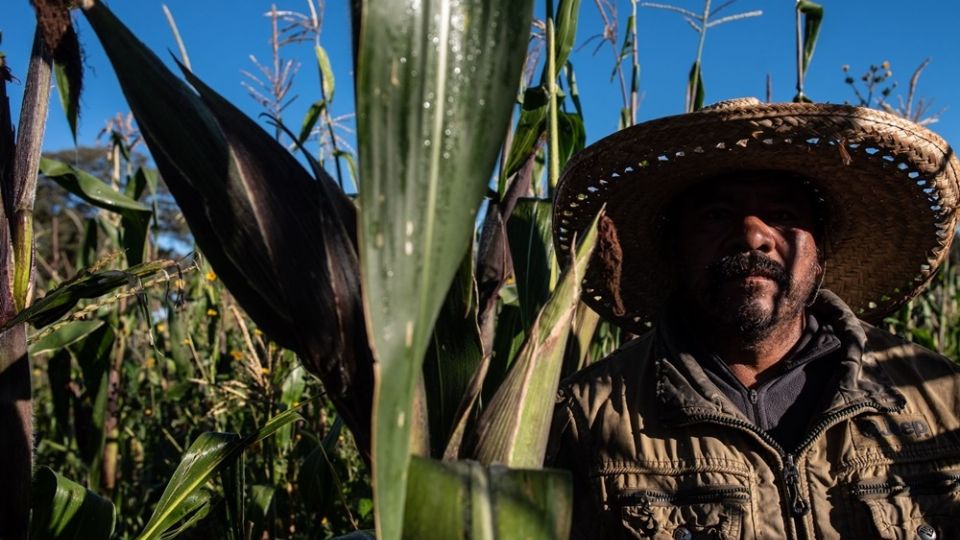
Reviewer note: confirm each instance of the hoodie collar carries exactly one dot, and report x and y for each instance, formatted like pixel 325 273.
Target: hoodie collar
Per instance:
pixel 685 390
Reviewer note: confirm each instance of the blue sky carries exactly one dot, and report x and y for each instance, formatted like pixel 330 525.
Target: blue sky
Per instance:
pixel 220 36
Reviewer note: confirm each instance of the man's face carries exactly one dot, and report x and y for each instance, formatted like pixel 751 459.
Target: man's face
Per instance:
pixel 748 258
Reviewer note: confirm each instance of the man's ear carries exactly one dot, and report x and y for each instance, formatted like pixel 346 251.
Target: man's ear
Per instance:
pixel 821 274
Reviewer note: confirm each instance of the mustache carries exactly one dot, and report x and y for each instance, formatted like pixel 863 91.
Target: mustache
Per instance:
pixel 747 264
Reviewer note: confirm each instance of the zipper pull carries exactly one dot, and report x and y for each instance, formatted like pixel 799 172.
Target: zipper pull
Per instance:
pixel 791 477
pixel 647 523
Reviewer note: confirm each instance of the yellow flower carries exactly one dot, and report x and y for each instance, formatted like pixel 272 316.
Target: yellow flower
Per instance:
pixel 265 371
pixel 211 276
pixel 257 332
pixel 325 521
pixel 186 341
pixel 161 328
pixel 151 361
pixel 211 312
pixel 148 412
pixel 179 284
pixel 237 355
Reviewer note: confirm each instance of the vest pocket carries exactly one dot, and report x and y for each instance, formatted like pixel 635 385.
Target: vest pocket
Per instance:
pixel 924 506
pixel 702 512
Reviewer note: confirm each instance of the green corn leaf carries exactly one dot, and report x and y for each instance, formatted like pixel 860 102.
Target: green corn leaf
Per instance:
pixel 465 500
pixel 812 18
pixel 585 323
pixel 515 425
pixel 351 164
pixel 357 535
pixel 60 301
pixel 59 374
pixel 69 99
pixel 189 513
pixel 435 85
pixel 95 357
pixel 574 90
pixel 136 216
pixel 86 255
pixel 179 353
pixel 206 457
pixel 65 510
pixel 234 494
pixel 535 272
pixel 509 337
pixel 292 387
pixel 695 95
pixel 261 498
pixel 625 48
pixel 67 334
pixel 116 139
pixel 310 120
pixel 326 73
pixel 533 113
pixel 527 137
pixel 573 135
pixel 135 224
pixel 318 479
pixel 454 355
pixel 568 13
pixel 88 187
pixel 531 247
pixel 68 72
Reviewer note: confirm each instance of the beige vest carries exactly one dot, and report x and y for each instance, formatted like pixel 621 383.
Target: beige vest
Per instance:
pixel 657 451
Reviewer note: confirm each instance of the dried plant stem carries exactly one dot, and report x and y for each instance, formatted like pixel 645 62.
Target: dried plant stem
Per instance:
pixel 254 366
pixel 91 309
pixel 16 410
pixel 799 25
pixel 111 425
pixel 635 68
pixel 176 37
pixel 33 117
pixel 554 163
pixel 198 361
pixel 692 91
pixel 610 29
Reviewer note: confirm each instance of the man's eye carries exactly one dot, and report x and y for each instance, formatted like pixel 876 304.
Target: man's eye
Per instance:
pixel 783 216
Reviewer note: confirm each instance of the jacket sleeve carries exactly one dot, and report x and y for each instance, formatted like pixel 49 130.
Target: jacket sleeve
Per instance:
pixel 568 449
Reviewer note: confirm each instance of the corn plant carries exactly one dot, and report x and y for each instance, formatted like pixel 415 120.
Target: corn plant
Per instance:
pixel 700 24
pixel 355 288
pixel 436 347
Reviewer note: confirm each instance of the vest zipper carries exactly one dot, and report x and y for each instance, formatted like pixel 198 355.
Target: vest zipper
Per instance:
pixel 791 478
pixel 937 484
pixel 790 475
pixel 687 497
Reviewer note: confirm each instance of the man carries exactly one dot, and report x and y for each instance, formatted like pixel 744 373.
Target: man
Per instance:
pixel 746 245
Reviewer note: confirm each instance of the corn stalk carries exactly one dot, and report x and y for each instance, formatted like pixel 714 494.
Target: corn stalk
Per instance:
pixel 16 259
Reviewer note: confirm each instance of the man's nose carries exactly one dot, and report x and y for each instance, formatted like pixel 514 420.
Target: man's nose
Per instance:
pixel 757 234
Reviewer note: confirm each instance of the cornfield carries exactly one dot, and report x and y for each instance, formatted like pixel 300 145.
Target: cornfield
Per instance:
pixel 321 362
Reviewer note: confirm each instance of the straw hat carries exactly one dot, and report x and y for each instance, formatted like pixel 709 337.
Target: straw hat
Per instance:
pixel 890 187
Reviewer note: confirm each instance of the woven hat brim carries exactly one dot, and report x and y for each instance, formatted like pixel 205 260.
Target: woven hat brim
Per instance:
pixel 891 188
